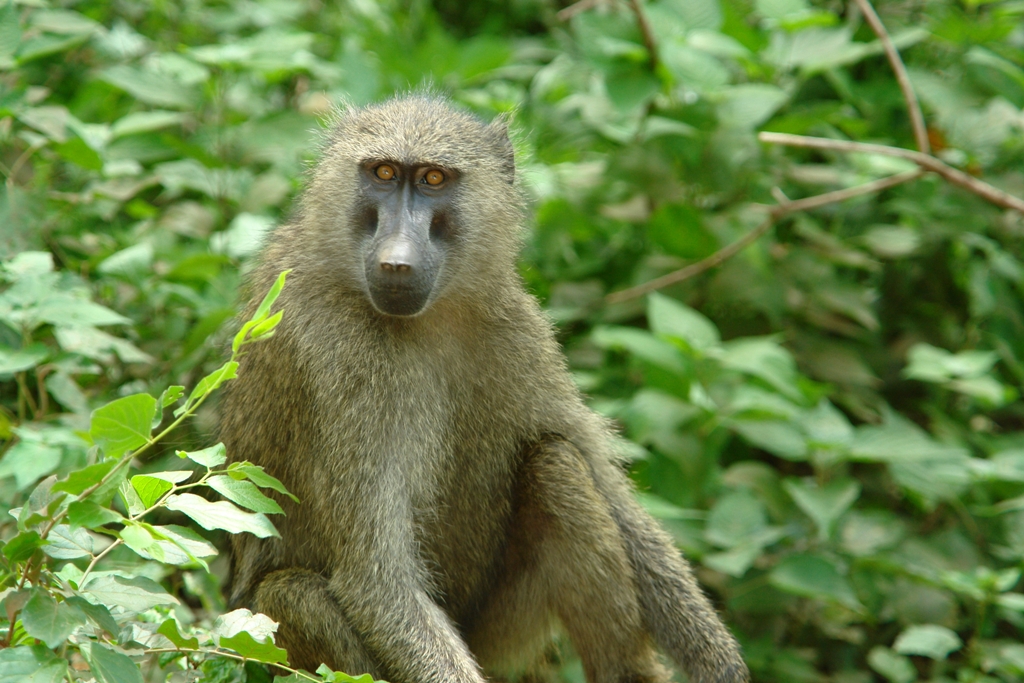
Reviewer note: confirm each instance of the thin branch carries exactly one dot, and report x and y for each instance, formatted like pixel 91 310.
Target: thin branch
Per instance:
pixel 820 200
pixel 232 655
pixel 925 161
pixel 645 30
pixel 572 10
pixel 775 213
pixel 21 161
pixel 913 106
pixel 693 269
pixel 97 558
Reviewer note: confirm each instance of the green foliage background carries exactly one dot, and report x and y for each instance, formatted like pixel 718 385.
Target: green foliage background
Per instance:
pixel 829 422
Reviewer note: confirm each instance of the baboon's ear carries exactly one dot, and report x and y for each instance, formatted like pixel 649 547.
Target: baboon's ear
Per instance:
pixel 499 133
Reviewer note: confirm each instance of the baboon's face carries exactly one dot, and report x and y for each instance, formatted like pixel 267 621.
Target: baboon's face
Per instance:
pixel 407 221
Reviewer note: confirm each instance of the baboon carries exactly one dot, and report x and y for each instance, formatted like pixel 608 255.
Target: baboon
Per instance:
pixel 459 500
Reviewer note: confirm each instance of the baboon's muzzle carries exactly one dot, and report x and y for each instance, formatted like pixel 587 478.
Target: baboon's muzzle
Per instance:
pixel 403 259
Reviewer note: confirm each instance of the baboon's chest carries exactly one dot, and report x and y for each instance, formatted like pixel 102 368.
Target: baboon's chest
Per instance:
pixel 461 497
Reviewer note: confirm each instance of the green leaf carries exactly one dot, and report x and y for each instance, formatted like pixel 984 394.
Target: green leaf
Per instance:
pixel 678 229
pixel 892 241
pixel 695 69
pixel 31 664
pixel 65 310
pixel 29 460
pixel 26 263
pixel 10 34
pixel 12 361
pixel 138 538
pixel 221 515
pixel 986 389
pixel 642 344
pixel 98 345
pixel 735 561
pixel 109 666
pixel 150 489
pixel 212 456
pixel 67 392
pixel 266 328
pixel 865 533
pixel 258 476
pixel 65 543
pixel 897 668
pixel 900 441
pixel 735 518
pixel 814 577
pixel 42 504
pixel 775 436
pixel 928 640
pixel 144 122
pixel 271 296
pixel 177 545
pixel 1008 465
pixel 262 311
pixel 824 504
pixel 64 22
pixel 22 546
pixel 169 397
pixel 659 508
pixel 931 364
pixel 149 87
pixel 244 493
pixel 763 358
pixel 245 645
pixel 79 153
pixel 670 317
pixel 49 621
pixel 259 626
pixel 169 629
pixel 208 384
pixel 79 480
pixel 631 88
pixel 748 105
pixel 131 499
pixel 825 426
pixel 136 594
pixel 172 476
pixel 98 614
pixel 47 44
pixel 340 677
pixel 88 514
pixel 124 424
pixel 51 121
pixel 129 262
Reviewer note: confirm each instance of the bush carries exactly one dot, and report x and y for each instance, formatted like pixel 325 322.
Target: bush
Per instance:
pixel 823 395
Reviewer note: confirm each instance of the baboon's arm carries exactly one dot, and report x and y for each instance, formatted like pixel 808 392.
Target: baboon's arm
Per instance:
pixel 677 613
pixel 380 586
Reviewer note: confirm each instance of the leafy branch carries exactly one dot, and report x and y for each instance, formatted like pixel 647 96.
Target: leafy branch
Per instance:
pixel 119 425
pixel 775 213
pixel 60 515
pixel 925 161
pixel 923 158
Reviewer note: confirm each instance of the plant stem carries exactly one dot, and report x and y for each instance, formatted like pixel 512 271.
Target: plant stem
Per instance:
pixel 925 161
pixel 775 213
pixel 898 68
pixel 97 558
pixel 230 655
pixel 646 32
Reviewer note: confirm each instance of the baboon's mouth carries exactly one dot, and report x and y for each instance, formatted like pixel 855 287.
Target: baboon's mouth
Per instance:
pixel 399 300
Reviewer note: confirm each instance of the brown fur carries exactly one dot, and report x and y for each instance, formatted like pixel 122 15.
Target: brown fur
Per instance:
pixel 458 498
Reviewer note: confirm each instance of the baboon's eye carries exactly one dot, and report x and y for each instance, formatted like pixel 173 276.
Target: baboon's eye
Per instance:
pixel 385 172
pixel 434 177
